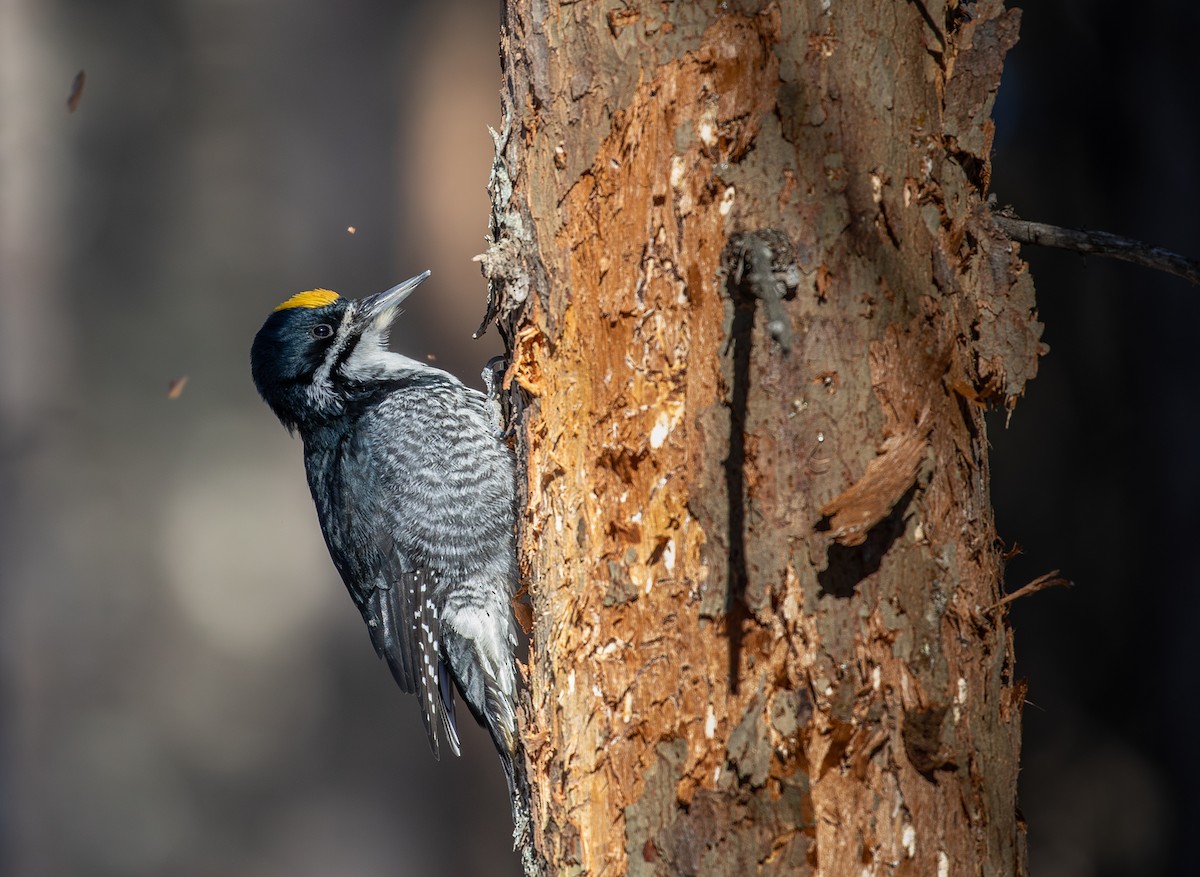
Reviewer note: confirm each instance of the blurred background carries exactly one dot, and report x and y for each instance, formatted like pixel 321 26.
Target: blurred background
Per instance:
pixel 1098 126
pixel 186 687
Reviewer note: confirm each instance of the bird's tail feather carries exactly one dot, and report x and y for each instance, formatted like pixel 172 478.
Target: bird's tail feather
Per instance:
pixel 512 759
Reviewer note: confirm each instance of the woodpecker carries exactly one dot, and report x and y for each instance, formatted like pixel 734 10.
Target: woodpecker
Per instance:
pixel 413 488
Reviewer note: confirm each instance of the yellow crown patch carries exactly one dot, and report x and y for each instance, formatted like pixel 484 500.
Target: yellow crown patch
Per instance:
pixel 313 298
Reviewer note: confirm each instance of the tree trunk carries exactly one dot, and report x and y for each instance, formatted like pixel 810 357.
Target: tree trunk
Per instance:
pixel 755 308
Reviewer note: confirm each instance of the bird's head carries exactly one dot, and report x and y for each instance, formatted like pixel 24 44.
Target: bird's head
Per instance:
pixel 317 350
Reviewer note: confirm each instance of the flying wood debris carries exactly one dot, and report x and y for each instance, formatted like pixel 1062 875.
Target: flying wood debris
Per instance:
pixel 76 92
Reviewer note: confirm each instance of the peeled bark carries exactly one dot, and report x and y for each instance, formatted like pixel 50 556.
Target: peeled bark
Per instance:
pixel 756 307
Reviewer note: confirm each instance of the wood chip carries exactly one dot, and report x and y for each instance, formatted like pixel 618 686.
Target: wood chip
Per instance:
pixel 76 92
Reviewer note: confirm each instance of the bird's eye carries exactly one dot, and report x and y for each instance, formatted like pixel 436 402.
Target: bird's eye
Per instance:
pixel 322 330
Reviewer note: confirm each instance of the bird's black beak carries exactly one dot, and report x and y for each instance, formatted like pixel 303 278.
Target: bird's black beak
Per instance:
pixel 378 311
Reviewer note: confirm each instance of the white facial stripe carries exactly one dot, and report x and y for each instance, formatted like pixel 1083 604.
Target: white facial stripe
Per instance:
pixel 371 359
pixel 320 391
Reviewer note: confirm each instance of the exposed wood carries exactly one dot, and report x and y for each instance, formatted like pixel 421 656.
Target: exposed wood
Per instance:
pixel 755 306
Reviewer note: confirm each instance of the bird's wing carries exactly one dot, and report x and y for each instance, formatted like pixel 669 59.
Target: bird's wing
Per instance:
pixel 406 633
pixel 394 591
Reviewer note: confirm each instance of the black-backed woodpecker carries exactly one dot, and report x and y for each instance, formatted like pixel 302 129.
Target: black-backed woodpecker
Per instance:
pixel 414 493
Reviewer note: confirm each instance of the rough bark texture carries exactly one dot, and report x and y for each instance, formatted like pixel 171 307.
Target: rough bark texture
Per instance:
pixel 755 307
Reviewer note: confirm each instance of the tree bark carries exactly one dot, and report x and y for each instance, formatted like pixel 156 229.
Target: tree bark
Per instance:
pixel 755 309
